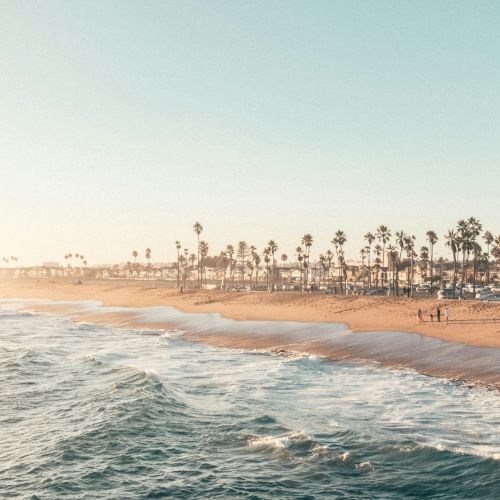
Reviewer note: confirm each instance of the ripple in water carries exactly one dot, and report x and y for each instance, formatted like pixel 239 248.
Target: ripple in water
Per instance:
pixel 90 411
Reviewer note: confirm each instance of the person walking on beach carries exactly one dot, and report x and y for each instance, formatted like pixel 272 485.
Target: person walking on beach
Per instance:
pixel 420 316
pixel 446 313
pixel 431 317
pixel 438 313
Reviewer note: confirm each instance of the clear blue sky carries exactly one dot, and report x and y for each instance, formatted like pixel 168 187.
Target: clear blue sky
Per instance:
pixel 122 123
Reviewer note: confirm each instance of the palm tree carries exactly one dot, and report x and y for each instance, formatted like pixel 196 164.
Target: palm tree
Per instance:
pixel 203 252
pixel 376 267
pixel 284 258
pixel 307 241
pixel 475 228
pixel 393 255
pixel 339 241
pixel 362 254
pixel 267 259
pixel 135 254
pixel 424 257
pixel 370 239
pixel 198 228
pixel 465 244
pixel 242 255
pixel 383 235
pixel 410 252
pixel 495 251
pixel 273 247
pixel 230 253
pixel 477 254
pixel 329 258
pixel 452 241
pixel 256 264
pixel 488 239
pixel 377 251
pixel 432 239
pixel 186 262
pixel 300 259
pixel 147 254
pixel 178 248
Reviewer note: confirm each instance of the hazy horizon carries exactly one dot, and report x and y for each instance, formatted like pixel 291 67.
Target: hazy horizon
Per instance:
pixel 122 124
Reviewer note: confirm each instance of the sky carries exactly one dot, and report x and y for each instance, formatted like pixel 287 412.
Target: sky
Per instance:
pixel 122 123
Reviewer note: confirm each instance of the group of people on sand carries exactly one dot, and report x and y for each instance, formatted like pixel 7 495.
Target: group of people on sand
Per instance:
pixel 420 314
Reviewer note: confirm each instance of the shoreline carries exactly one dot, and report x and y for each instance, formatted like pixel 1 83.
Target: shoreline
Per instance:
pixel 471 322
pixel 478 366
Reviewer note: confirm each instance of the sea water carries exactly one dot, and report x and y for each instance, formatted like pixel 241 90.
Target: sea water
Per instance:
pixel 90 411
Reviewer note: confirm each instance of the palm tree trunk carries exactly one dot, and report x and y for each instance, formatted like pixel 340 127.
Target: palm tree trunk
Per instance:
pixel 454 273
pixel 432 267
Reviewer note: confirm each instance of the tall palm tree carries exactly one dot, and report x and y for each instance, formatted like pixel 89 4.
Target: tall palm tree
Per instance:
pixel 410 252
pixel 266 253
pixel 307 241
pixel 495 251
pixel 300 259
pixel 392 255
pixel 198 228
pixel 186 262
pixel 383 235
pixel 322 266
pixel 178 248
pixel 377 251
pixel 256 264
pixel 338 242
pixel 465 244
pixel 452 241
pixel 400 241
pixel 329 258
pixel 476 255
pixel 475 228
pixel 432 239
pixel 242 255
pixel 488 239
pixel 284 258
pixel 135 254
pixel 424 257
pixel 362 254
pixel 376 267
pixel 203 250
pixel 369 238
pixel 230 253
pixel 273 247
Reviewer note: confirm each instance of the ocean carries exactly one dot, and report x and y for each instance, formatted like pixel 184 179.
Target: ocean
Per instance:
pixel 96 411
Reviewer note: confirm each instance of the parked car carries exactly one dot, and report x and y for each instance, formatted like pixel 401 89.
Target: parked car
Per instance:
pixel 492 297
pixel 485 291
pixel 424 287
pixel 375 292
pixel 447 293
pixel 469 288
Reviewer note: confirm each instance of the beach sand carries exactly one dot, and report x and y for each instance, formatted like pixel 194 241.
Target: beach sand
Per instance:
pixel 471 322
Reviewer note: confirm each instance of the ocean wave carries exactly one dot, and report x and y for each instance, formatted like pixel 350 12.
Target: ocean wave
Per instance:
pixel 478 451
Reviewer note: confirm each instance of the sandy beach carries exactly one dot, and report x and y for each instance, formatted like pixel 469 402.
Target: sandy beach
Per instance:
pixel 471 322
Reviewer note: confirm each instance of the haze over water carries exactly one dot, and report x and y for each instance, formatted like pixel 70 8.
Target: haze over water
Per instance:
pixel 91 411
